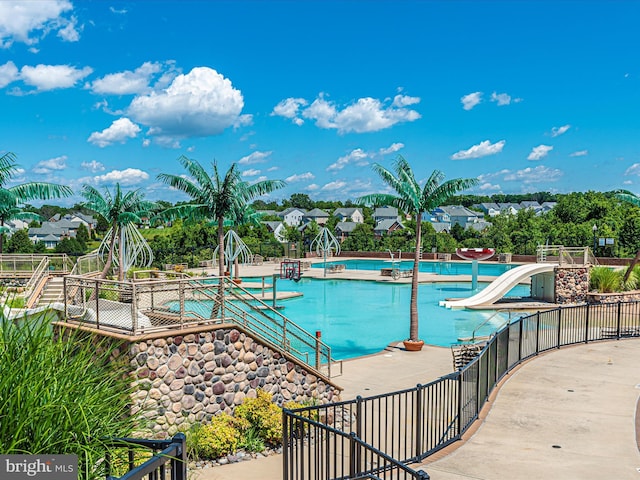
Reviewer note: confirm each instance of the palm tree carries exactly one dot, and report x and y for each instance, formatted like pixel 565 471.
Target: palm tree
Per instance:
pixel 411 198
pixel 12 198
pixel 213 197
pixel 242 214
pixel 633 199
pixel 122 211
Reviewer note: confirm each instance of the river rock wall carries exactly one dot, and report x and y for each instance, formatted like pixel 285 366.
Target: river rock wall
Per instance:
pixel 571 284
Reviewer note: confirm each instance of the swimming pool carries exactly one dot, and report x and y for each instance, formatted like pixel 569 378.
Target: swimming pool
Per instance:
pixel 441 268
pixel 358 317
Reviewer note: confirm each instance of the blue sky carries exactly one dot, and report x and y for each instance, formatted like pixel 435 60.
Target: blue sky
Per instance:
pixel 526 96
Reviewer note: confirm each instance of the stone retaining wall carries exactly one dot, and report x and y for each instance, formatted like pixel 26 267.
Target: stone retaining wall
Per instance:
pixel 190 378
pixel 598 298
pixel 571 284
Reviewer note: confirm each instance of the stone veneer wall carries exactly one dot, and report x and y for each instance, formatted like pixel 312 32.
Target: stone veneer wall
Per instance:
pixel 183 379
pixel 598 298
pixel 572 284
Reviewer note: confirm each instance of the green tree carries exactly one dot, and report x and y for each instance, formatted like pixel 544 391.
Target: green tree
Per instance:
pixel 70 246
pixel 633 199
pixel 20 242
pixel 415 200
pixel 120 210
pixel 12 199
pixel 82 235
pixel 302 200
pixel 213 197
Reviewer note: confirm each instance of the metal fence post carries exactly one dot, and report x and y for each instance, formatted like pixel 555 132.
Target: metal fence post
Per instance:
pixel 418 421
pixel 460 400
pixel 358 431
pixel 537 332
pixel 179 464
pixel 619 318
pixel 353 453
pixel 285 445
pixel 586 324
pixel 559 327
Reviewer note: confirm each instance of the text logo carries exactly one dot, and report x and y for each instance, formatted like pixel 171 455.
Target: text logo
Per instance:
pixel 39 467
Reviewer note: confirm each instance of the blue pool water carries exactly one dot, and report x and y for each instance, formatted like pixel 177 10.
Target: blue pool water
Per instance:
pixel 359 317
pixel 442 268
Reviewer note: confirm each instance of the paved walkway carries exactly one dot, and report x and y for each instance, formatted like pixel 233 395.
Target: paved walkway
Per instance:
pixel 581 399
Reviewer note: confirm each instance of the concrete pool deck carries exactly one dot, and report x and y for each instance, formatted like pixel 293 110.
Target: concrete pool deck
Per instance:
pixel 582 399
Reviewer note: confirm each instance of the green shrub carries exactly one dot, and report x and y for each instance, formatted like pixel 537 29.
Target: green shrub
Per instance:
pixel 264 415
pixel 62 394
pixel 251 441
pixel 605 280
pixel 218 438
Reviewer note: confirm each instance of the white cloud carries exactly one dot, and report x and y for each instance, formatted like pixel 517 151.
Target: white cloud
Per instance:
pixel 356 156
pixel 127 177
pixel 252 172
pixel 198 104
pixel 118 12
pixel 471 100
pixel 127 82
pixel 579 153
pixel 254 157
pixel 289 108
pixel 627 182
pixel 8 73
pixel 489 186
pixel 394 147
pixel 539 152
pixel 557 131
pixel 273 169
pixel 483 149
pixel 538 174
pixel 313 187
pixel 93 166
pixel 29 21
pixel 51 77
pixel 53 164
pixel 633 169
pixel 299 177
pixel 119 131
pixel 364 115
pixel 146 142
pixel 503 99
pixel 335 185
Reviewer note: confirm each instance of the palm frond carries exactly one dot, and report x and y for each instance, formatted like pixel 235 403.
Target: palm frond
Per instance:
pixel 40 191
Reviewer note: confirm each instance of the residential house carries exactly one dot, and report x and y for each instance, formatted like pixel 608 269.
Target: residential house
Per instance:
pixel 51 233
pixel 385 213
pixel 349 215
pixel 292 216
pixel 438 219
pixel 87 220
pixel 344 229
pixel 530 204
pixel 489 208
pixel 509 208
pixel 459 215
pixel 384 227
pixel 547 207
pixel 317 215
pixel 277 228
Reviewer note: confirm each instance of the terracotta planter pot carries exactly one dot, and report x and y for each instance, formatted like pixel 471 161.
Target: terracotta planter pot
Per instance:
pixel 413 345
pixel 237 281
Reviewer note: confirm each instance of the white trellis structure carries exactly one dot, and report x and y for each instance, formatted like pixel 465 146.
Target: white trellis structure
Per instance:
pixel 234 249
pixel 325 243
pixel 131 249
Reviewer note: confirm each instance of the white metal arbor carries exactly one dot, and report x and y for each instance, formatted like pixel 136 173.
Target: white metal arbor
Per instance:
pixel 132 248
pixel 325 243
pixel 234 249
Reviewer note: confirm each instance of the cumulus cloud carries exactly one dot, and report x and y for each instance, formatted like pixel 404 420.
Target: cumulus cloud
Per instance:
pixel 364 115
pixel 633 169
pixel 8 73
pixel 127 82
pixel 538 174
pixel 579 153
pixel 51 77
pixel 93 166
pixel 503 99
pixel 198 104
pixel 488 187
pixel 254 157
pixel 335 185
pixel 313 187
pixel 289 108
pixel 252 172
pixel 394 147
pixel 119 131
pixel 28 22
pixel 126 177
pixel 557 131
pixel 51 165
pixel 471 100
pixel 357 156
pixel 481 150
pixel 299 177
pixel 539 152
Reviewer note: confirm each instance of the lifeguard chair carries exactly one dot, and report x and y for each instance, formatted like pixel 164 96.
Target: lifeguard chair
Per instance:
pixel 290 270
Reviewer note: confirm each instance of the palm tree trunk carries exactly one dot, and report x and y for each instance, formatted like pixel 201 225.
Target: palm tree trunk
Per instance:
pixel 627 274
pixel 217 304
pixel 112 245
pixel 413 316
pixel 121 256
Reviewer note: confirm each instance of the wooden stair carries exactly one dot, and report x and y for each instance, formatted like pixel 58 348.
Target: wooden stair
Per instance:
pixel 53 291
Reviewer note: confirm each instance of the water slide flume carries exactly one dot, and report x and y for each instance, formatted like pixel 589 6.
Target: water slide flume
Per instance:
pixel 500 286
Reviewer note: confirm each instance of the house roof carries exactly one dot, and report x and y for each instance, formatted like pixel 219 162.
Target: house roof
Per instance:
pixel 459 211
pixel 486 206
pixel 479 226
pixel 315 213
pixel 272 224
pixel 441 226
pixel 346 212
pixel 346 227
pixel 385 212
pixel 287 211
pixel 529 204
pixel 386 224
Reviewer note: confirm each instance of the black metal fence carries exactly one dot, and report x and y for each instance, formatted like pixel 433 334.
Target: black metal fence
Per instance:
pixel 378 436
pixel 168 459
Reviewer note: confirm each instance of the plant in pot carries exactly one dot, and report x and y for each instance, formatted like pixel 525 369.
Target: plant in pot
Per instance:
pixel 414 200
